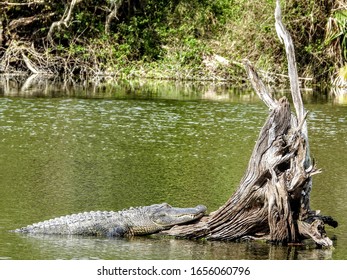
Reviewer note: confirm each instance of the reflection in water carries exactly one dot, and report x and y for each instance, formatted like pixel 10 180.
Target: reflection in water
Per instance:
pixel 100 87
pixel 38 85
pixel 138 143
pixel 77 247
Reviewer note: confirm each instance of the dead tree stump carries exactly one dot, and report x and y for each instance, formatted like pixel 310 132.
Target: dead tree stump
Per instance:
pixel 272 201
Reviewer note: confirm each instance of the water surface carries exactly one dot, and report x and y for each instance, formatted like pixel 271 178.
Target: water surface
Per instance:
pixel 107 149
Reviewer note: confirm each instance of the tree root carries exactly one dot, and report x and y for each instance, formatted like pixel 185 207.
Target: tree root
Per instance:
pixel 19 53
pixel 272 201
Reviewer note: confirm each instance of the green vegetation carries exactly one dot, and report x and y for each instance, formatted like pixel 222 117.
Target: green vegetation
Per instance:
pixel 336 41
pixel 176 39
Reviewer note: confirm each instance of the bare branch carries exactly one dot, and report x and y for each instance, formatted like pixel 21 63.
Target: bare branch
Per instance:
pixel 37 2
pixel 285 38
pixel 112 15
pixel 259 86
pixel 64 20
pixel 33 68
pixel 1 33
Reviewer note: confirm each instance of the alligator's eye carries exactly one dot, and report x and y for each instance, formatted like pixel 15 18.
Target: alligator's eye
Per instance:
pixel 160 217
pixel 166 205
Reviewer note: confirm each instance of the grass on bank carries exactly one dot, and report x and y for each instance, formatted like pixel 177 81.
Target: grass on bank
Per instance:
pixel 177 39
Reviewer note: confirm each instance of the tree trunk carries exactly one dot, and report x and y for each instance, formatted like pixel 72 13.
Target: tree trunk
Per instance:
pixel 272 201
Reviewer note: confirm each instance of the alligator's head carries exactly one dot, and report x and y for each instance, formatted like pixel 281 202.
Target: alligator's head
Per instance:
pixel 164 215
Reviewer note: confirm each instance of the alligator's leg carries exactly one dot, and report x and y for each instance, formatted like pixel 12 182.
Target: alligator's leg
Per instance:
pixel 117 231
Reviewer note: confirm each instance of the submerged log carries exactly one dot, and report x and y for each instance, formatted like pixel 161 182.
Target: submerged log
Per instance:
pixel 272 201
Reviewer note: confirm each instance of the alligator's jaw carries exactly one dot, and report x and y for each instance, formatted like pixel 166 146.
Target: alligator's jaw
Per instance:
pixel 144 230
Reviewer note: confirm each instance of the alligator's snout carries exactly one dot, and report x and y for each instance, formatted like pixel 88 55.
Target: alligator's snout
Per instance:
pixel 169 216
pixel 201 208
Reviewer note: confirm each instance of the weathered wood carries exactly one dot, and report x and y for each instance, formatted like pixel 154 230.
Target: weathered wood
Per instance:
pixel 272 201
pixel 259 86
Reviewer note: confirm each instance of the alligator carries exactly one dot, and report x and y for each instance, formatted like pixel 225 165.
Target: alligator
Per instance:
pixel 142 220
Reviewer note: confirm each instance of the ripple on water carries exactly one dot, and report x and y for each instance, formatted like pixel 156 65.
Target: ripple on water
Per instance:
pixel 60 156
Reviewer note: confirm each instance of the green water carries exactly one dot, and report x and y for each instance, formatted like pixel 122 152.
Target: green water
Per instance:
pixel 64 153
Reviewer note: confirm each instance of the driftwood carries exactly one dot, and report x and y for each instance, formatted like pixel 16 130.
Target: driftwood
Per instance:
pixel 272 201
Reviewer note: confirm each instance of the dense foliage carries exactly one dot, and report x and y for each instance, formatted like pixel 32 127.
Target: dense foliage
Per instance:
pixel 178 39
